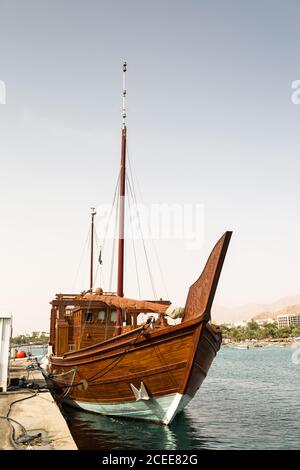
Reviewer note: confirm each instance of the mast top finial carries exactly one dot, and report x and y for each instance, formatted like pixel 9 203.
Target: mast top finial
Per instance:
pixel 93 211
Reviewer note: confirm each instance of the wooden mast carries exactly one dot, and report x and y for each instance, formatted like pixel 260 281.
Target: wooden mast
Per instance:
pixel 120 290
pixel 93 213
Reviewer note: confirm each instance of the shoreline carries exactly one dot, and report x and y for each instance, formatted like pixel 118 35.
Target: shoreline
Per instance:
pixel 260 343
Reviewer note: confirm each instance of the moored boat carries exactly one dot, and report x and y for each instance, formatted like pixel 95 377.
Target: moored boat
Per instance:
pixel 103 361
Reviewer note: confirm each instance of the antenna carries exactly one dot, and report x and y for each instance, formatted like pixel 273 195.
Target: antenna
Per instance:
pixel 124 94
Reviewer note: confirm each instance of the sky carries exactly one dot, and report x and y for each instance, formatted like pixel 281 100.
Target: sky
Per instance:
pixel 210 122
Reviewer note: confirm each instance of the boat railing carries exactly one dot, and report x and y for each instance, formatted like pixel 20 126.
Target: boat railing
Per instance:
pixel 75 296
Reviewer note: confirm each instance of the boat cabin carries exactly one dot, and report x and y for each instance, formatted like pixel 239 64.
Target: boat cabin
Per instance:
pixel 79 321
pixel 90 325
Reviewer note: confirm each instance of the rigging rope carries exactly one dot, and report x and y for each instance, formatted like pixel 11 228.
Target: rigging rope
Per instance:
pixel 131 170
pixel 114 247
pixel 117 359
pixel 100 247
pixel 131 192
pixel 81 258
pixel 133 245
pixel 144 246
pixel 99 267
pixel 111 211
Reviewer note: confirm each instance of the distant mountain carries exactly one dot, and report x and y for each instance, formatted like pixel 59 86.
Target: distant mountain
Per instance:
pixel 258 311
pixel 265 315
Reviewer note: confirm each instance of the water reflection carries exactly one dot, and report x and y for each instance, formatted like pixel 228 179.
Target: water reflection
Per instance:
pixel 250 400
pixel 92 431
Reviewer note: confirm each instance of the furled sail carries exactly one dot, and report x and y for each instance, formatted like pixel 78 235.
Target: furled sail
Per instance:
pixel 128 304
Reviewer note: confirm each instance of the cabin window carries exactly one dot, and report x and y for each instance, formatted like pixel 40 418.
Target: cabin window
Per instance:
pixel 113 316
pixel 101 315
pixel 89 316
pixel 126 319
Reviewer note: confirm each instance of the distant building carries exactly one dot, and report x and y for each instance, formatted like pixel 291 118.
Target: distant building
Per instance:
pixel 292 319
pixel 265 321
pixel 235 324
pixel 227 324
pixel 240 323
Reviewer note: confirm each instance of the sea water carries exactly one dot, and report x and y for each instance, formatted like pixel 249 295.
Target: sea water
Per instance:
pixel 249 400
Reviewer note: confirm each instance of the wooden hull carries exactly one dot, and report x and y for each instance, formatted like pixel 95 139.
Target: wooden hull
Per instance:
pixel 147 373
pixel 171 363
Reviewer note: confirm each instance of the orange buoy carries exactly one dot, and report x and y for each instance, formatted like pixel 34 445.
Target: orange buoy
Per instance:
pixel 21 354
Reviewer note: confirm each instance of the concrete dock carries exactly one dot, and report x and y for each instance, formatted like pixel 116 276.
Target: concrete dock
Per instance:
pixel 38 422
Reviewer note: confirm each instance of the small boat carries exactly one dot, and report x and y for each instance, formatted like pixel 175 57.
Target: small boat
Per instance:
pixel 104 362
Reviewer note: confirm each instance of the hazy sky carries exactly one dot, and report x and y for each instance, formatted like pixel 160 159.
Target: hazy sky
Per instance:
pixel 210 121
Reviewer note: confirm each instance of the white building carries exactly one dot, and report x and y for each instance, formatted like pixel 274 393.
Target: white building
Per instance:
pixel 240 323
pixel 265 321
pixel 288 320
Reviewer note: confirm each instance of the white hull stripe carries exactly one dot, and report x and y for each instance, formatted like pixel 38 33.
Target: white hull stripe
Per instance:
pixel 160 409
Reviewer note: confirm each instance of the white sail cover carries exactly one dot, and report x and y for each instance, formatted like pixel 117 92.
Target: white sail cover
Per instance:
pixel 174 312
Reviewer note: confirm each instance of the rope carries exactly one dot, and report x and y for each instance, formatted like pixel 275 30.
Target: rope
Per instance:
pixel 57 379
pixel 117 359
pixel 96 269
pixel 88 237
pixel 103 244
pixel 134 251
pixel 15 421
pixel 81 258
pixel 70 385
pixel 62 374
pixel 131 171
pixel 143 242
pixel 114 247
pixel 10 420
pixel 111 211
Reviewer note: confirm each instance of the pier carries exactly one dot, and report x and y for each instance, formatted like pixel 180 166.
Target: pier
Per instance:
pixel 30 417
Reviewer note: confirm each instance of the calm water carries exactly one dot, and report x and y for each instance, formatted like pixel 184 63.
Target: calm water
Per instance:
pixel 36 350
pixel 250 400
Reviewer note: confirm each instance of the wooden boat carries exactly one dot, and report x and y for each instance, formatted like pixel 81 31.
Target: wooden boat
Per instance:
pixel 104 362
